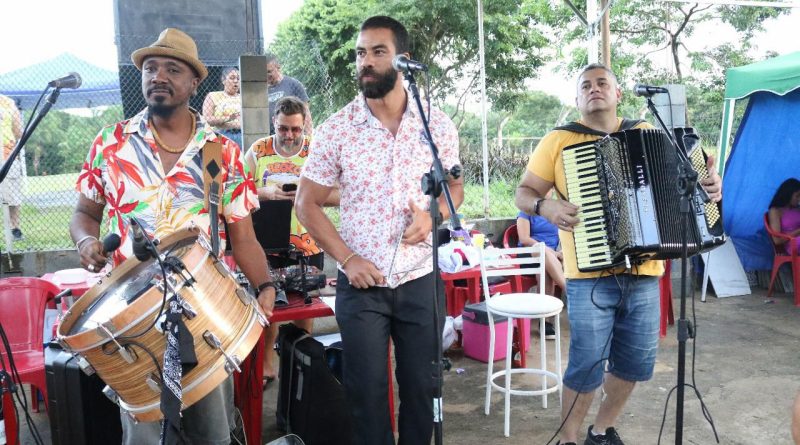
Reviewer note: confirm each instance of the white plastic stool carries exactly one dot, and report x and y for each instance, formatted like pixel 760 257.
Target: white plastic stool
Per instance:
pixel 505 262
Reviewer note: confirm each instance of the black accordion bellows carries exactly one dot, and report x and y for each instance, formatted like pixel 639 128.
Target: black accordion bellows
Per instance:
pixel 626 185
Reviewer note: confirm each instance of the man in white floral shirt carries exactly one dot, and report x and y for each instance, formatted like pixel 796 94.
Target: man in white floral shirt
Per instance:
pixel 375 149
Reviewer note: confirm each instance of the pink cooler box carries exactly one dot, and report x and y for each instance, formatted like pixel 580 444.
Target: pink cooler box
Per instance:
pixel 476 333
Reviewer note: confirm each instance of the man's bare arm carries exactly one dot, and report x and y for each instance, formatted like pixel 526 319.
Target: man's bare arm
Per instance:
pixel 311 196
pixel 532 188
pixel 309 201
pixel 251 260
pixel 84 228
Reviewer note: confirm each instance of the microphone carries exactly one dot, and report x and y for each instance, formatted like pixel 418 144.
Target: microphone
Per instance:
pixel 404 64
pixel 71 80
pixel 647 90
pixel 141 250
pixel 111 243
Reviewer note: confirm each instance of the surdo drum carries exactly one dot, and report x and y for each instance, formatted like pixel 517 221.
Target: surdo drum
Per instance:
pixel 114 332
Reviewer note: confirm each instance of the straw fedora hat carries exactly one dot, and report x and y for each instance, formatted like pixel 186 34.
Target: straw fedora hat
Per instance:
pixel 173 43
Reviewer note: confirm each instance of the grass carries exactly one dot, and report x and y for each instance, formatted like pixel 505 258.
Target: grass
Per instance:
pixel 501 200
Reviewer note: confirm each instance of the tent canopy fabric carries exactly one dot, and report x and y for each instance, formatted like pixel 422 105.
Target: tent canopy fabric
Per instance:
pixel 778 75
pixel 99 87
pixel 766 152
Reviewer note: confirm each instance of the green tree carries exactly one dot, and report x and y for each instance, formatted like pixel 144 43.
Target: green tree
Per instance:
pixel 444 35
pixel 61 141
pixel 641 28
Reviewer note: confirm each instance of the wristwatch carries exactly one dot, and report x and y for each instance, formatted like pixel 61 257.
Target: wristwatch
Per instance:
pixel 265 285
pixel 537 205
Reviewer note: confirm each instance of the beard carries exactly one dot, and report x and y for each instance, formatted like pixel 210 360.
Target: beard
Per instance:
pixel 160 109
pixel 381 86
pixel 282 144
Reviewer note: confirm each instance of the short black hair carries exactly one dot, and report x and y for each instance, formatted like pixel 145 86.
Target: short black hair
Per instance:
pixel 290 105
pixel 784 194
pixel 399 31
pixel 597 66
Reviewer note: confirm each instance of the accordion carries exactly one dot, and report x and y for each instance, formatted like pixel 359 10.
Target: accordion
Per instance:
pixel 626 185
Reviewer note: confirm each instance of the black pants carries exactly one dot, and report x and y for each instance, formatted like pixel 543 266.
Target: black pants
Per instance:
pixel 367 317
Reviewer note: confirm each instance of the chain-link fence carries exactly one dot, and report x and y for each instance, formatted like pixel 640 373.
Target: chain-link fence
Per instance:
pixel 56 151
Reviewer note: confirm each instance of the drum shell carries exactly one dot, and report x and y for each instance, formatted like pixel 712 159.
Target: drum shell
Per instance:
pixel 221 305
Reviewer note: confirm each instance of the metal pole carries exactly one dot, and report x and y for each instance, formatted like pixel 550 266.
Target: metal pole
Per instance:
pixel 591 17
pixel 484 122
pixel 605 36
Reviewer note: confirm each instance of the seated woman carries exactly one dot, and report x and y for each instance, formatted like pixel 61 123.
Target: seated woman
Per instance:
pixel 534 229
pixel 784 211
pixel 223 109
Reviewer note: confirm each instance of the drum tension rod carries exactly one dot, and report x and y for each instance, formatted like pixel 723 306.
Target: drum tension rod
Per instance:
pixel 232 362
pixel 127 354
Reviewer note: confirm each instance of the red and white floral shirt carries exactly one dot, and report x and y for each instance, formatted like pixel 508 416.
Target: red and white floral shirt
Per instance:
pixel 378 174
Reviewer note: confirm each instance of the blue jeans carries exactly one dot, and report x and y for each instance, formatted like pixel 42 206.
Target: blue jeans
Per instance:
pixel 614 318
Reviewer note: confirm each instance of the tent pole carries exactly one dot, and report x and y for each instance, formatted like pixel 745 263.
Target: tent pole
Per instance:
pixel 725 134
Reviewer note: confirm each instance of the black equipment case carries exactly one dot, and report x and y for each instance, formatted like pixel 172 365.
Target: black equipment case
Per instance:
pixel 79 412
pixel 311 401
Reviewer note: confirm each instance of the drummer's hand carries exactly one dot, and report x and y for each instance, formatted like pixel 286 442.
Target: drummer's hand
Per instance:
pixel 362 273
pixel 266 298
pixel 92 256
pixel 560 212
pixel 713 183
pixel 420 226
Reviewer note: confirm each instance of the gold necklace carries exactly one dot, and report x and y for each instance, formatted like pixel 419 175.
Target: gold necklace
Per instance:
pixel 167 147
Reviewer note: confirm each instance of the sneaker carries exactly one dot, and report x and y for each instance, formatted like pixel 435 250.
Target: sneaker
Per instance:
pixel 609 438
pixel 549 331
pixel 17 234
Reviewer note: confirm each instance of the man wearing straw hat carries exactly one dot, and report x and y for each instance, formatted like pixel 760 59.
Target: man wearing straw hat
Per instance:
pixel 151 167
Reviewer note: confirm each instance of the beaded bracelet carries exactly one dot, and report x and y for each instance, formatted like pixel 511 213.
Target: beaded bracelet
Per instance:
pixel 348 259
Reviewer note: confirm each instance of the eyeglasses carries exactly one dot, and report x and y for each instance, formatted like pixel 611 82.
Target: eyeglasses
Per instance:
pixel 285 129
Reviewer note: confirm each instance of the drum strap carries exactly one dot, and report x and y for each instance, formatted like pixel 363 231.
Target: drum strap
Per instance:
pixel 179 359
pixel 212 167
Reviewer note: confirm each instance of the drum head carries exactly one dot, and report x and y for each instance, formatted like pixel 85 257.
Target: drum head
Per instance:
pixel 130 286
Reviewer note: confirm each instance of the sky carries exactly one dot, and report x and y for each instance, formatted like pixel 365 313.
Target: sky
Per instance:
pixel 88 32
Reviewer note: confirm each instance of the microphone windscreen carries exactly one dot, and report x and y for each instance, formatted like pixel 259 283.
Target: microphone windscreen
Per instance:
pixel 111 243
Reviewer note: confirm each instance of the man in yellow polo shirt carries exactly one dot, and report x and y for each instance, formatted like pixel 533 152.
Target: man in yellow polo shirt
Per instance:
pixel 613 314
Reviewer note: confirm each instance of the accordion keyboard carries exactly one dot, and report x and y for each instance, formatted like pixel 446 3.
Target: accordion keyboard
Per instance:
pixel 591 233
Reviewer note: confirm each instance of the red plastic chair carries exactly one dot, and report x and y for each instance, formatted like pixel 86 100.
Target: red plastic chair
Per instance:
pixel 23 301
pixel 510 236
pixel 784 253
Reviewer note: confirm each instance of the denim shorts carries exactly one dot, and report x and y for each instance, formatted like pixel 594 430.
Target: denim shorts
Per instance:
pixel 614 318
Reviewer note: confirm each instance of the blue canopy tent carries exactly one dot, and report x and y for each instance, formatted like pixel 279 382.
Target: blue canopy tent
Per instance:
pixel 100 86
pixel 766 151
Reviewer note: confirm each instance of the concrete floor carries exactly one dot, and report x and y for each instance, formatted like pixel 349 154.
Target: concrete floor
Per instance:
pixel 746 370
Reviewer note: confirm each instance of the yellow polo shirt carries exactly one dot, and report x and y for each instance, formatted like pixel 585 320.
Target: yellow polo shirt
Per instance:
pixel 546 163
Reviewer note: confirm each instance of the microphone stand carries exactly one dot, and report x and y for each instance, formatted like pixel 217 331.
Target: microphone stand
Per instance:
pixel 433 184
pixel 686 185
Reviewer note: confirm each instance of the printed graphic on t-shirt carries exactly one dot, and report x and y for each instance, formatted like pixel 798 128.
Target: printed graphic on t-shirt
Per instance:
pixel 275 95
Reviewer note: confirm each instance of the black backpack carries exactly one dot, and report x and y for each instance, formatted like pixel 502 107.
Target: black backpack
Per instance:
pixel 311 401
